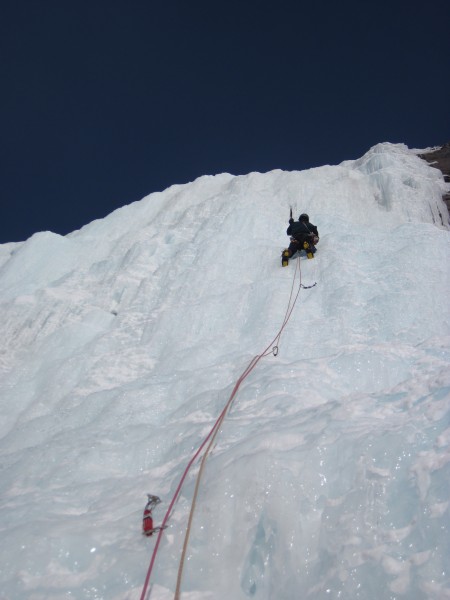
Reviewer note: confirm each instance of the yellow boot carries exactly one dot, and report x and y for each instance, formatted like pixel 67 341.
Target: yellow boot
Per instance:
pixel 309 254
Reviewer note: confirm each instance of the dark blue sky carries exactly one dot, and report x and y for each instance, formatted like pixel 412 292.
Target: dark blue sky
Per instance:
pixel 104 102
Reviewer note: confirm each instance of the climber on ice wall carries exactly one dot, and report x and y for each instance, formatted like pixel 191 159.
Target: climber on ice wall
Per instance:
pixel 304 236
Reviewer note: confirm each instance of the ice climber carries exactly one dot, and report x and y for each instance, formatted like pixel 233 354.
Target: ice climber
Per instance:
pixel 304 236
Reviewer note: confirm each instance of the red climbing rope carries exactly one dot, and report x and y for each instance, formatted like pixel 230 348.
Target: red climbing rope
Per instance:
pixel 269 349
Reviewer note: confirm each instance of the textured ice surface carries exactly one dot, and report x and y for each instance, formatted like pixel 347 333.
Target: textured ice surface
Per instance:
pixel 122 342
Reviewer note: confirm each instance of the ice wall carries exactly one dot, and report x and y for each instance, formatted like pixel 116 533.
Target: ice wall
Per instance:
pixel 122 341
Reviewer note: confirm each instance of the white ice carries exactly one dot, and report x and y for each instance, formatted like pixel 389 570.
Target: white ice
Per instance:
pixel 121 343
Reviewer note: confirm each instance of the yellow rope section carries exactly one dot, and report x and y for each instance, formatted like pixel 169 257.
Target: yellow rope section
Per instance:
pixel 191 514
pixel 252 364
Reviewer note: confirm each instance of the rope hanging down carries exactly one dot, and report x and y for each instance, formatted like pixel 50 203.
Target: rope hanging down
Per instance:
pixel 247 371
pixel 271 348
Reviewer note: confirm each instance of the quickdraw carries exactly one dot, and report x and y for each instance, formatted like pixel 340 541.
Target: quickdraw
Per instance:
pixel 307 287
pixel 147 519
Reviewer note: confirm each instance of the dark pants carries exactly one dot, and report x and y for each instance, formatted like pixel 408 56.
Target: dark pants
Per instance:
pixel 297 245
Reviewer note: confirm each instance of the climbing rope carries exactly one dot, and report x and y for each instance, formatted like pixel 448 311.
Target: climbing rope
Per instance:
pixel 210 438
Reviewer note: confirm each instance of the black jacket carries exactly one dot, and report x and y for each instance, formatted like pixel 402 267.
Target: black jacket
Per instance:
pixel 302 230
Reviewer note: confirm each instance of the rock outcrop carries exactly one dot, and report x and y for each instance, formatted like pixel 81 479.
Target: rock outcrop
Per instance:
pixel 440 158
